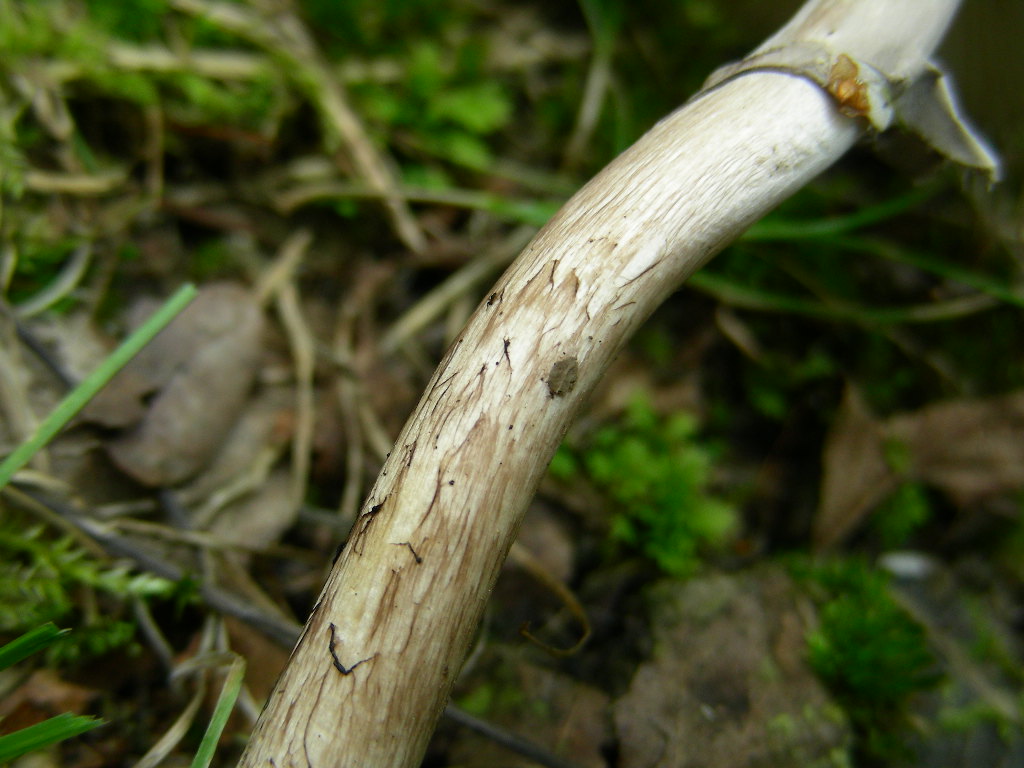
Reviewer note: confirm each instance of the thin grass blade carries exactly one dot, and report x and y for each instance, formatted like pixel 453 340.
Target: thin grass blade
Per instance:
pixel 225 704
pixel 94 382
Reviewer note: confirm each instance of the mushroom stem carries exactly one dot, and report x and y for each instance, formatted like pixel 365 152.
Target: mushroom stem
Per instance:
pixel 376 661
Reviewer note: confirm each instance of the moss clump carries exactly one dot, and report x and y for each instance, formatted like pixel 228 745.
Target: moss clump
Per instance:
pixel 870 653
pixel 657 476
pixel 44 579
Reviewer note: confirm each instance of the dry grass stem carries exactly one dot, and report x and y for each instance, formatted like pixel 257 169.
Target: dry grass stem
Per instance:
pixel 526 560
pixel 280 281
pixel 458 285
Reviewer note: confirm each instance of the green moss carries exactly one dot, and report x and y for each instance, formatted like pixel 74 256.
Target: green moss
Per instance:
pixel 901 515
pixel 41 579
pixel 445 104
pixel 869 652
pixel 500 692
pixel 656 475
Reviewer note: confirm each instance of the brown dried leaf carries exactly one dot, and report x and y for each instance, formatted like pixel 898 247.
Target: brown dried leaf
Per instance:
pixel 265 427
pixel 43 695
pixel 241 496
pixel 968 448
pixel 122 402
pixel 203 364
pixel 264 657
pixel 259 519
pixel 856 476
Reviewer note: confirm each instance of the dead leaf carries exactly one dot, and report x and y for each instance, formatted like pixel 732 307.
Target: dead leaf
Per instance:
pixel 265 658
pixel 728 684
pixel 243 497
pixel 969 449
pixel 42 696
pixel 259 519
pixel 244 458
pixel 203 366
pixel 856 476
pixel 122 402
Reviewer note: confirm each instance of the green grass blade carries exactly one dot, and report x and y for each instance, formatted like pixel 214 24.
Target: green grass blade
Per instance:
pixel 226 703
pixel 741 296
pixel 32 641
pixel 993 286
pixel 94 382
pixel 777 228
pixel 59 728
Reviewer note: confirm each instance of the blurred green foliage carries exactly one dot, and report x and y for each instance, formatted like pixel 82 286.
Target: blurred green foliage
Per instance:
pixel 139 21
pixel 446 110
pixel 1010 549
pixel 373 27
pixel 42 579
pixel 901 515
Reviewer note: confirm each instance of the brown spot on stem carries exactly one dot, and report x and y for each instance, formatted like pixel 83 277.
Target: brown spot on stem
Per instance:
pixel 562 377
